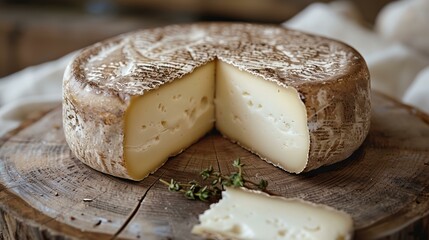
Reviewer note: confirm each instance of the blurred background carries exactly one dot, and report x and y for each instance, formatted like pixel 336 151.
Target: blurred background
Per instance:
pixel 36 31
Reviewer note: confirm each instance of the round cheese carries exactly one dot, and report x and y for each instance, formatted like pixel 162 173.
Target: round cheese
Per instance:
pixel 298 101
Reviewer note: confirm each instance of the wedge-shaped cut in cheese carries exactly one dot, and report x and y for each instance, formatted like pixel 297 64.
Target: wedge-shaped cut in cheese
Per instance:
pixel 246 214
pixel 296 100
pixel 261 116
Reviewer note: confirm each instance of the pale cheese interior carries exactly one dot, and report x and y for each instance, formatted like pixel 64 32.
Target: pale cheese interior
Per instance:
pixel 163 122
pixel 269 120
pixel 243 214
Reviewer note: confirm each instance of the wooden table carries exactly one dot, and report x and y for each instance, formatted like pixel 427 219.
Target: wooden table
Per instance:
pixel 46 193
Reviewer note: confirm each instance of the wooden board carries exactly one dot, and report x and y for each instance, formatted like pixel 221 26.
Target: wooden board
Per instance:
pixel 47 193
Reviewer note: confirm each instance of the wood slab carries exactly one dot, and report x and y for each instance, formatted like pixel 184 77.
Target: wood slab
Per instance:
pixel 46 193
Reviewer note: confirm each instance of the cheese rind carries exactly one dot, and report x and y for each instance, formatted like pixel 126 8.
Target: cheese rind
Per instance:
pixel 102 84
pixel 93 126
pixel 247 214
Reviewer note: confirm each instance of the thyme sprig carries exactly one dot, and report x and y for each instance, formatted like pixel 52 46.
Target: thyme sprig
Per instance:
pixel 195 191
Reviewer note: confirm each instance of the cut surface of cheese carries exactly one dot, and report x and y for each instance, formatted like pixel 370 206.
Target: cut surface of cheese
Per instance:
pixel 298 101
pixel 183 111
pixel 164 122
pixel 261 116
pixel 247 214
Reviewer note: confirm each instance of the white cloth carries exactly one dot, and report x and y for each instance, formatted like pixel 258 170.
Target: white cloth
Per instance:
pixel 396 69
pixel 13 113
pixel 406 22
pixel 393 66
pixel 30 91
pixel 417 93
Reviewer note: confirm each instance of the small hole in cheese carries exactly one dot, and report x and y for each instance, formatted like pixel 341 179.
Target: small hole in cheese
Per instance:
pixel 341 238
pixel 235 118
pixel 164 123
pixel 282 233
pixel 144 127
pixel 204 101
pixel 236 229
pixel 286 125
pixel 246 93
pixel 192 115
pixel 161 107
pixel 250 103
pixel 312 229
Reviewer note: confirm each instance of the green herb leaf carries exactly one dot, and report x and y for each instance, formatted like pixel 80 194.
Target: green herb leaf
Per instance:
pixel 237 163
pixel 237 180
pixel 194 191
pixel 174 186
pixel 206 173
pixel 190 195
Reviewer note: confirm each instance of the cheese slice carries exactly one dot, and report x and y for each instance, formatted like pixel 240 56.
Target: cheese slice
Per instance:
pixel 298 101
pixel 247 214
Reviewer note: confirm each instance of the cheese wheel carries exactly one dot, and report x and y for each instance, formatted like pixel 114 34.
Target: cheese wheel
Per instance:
pixel 296 100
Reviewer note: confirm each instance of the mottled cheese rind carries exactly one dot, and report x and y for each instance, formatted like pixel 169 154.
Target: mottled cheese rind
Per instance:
pixel 93 126
pixel 248 214
pixel 331 78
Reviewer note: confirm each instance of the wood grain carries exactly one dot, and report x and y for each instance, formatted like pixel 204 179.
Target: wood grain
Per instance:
pixel 46 193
